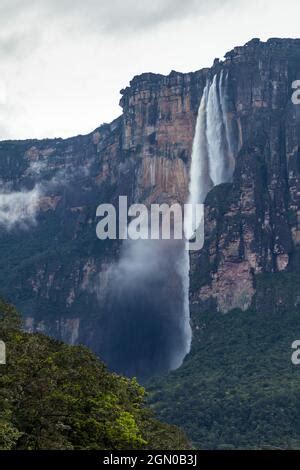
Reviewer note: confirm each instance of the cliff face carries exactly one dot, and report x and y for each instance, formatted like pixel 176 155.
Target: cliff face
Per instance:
pixel 252 226
pixel 52 265
pixel 56 271
pixel 158 127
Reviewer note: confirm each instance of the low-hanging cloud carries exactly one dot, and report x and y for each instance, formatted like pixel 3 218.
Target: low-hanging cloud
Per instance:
pixel 19 208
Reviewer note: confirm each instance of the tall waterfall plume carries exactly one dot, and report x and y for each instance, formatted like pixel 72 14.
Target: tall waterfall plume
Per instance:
pixel 214 145
pixel 213 155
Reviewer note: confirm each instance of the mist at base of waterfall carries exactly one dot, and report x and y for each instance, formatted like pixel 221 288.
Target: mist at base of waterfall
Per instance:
pixel 146 324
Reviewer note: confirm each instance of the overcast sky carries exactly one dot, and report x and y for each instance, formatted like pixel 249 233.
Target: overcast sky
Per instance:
pixel 63 62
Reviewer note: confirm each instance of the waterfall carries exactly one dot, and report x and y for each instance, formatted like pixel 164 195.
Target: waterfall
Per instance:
pixel 230 127
pixel 213 154
pixel 214 134
pixel 186 305
pixel 214 145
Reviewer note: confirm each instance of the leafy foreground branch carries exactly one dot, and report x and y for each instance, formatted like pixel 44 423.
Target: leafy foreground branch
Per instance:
pixel 56 396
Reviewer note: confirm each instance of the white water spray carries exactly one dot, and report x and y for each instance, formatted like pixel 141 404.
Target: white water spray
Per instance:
pixel 214 145
pixel 213 157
